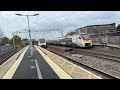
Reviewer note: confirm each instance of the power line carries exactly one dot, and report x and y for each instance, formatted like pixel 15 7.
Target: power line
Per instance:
pixel 47 20
pixel 60 20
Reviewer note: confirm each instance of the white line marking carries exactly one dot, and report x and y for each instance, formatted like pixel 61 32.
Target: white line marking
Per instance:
pixel 58 70
pixel 38 70
pixel 9 74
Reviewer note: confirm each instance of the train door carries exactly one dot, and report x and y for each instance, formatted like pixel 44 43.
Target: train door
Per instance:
pixel 70 41
pixel 66 40
pixel 79 41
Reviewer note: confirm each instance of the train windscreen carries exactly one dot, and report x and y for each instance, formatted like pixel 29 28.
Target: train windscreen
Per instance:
pixel 85 37
pixel 42 40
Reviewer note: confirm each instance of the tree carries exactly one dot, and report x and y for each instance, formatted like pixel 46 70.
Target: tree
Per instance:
pixel 118 27
pixel 1 33
pixel 11 41
pixel 5 40
pixel 18 41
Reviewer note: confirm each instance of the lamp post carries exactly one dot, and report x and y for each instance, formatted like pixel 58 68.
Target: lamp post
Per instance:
pixel 13 41
pixel 29 29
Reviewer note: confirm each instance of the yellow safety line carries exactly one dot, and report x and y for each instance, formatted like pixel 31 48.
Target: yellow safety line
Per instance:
pixel 88 75
pixel 14 67
pixel 67 65
pixel 72 70
pixel 59 71
pixel 62 63
pixel 79 72
pixel 53 57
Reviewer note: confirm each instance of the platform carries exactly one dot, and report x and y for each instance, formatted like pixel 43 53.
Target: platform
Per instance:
pixel 42 65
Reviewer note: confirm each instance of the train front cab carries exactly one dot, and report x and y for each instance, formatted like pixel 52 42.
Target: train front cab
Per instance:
pixel 86 40
pixel 42 43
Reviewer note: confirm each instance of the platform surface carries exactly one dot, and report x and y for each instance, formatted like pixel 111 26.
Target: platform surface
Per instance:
pixel 45 65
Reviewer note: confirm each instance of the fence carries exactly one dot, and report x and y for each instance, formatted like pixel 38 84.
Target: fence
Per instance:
pixel 108 39
pixel 5 48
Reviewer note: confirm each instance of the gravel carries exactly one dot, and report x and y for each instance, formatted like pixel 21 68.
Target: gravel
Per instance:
pixel 107 66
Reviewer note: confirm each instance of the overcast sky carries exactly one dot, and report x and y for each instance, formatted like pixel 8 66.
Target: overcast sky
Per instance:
pixel 65 20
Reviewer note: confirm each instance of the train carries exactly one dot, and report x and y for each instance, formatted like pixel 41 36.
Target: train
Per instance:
pixel 80 40
pixel 42 43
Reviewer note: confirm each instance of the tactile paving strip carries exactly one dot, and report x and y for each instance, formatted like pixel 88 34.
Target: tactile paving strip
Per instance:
pixel 75 71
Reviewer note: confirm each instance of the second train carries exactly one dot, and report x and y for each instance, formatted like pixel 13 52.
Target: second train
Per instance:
pixel 80 40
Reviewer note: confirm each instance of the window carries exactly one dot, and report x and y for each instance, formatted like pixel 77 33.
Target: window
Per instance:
pixel 62 40
pixel 85 37
pixel 42 40
pixel 70 39
pixel 79 37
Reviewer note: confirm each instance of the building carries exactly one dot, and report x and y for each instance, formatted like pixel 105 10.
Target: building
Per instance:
pixel 97 29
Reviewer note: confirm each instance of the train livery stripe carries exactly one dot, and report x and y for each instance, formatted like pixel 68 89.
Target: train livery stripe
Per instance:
pixel 87 41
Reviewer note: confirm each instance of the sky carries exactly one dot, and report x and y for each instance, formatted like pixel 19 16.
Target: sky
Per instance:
pixel 64 20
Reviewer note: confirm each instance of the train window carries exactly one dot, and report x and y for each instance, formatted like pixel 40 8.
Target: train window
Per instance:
pixel 70 39
pixel 62 40
pixel 42 40
pixel 85 37
pixel 79 37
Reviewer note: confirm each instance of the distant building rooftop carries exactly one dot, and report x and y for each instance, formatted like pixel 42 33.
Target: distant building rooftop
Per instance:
pixel 99 25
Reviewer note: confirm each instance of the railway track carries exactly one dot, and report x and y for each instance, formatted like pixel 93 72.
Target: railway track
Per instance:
pixel 112 72
pixel 99 55
pixel 94 53
pixel 91 69
pixel 6 55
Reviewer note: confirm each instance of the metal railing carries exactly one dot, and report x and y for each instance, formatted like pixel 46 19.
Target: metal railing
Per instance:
pixel 5 48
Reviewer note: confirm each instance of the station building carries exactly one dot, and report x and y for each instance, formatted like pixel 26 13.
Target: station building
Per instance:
pixel 97 29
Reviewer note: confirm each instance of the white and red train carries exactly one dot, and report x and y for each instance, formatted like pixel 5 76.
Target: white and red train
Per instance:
pixel 81 40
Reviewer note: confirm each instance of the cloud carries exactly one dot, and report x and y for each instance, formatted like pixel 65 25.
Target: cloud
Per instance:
pixel 65 20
